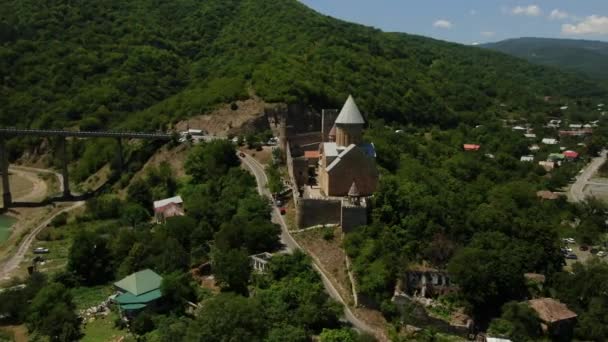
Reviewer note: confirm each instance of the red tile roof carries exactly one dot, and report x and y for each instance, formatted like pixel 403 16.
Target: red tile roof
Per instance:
pixel 571 154
pixel 471 147
pixel 311 154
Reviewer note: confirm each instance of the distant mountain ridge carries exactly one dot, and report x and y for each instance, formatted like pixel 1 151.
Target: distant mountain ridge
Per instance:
pixel 584 56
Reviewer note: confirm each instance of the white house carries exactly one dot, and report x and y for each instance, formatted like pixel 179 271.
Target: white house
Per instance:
pixel 527 159
pixel 549 141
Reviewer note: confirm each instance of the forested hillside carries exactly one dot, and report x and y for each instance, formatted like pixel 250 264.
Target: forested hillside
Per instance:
pixel 145 63
pixel 584 56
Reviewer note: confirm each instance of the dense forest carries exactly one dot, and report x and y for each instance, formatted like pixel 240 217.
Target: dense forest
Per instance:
pixel 142 64
pixel 582 56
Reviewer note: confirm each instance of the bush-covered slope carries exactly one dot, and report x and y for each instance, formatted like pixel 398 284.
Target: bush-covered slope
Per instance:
pixel 144 63
pixel 584 56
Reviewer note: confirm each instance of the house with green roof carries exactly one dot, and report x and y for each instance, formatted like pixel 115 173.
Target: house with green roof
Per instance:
pixel 138 291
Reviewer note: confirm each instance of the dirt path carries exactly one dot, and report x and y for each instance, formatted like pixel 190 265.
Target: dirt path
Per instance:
pixel 7 267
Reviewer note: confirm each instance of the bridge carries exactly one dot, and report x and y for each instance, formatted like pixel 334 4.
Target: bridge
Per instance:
pixel 7 133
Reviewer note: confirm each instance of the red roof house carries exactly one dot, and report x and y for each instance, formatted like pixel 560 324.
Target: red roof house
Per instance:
pixel 471 147
pixel 570 154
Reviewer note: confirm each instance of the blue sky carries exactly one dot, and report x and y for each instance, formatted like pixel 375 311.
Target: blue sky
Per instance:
pixel 476 21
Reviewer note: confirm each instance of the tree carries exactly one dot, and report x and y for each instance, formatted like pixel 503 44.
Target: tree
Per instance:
pixel 52 314
pixel 139 192
pixel 133 214
pixel 228 317
pixel 90 258
pixel 287 333
pixel 338 335
pixel 231 269
pixel 211 160
pixel 177 290
pixel 518 322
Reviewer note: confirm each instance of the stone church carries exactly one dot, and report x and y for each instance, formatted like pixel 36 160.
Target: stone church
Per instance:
pixel 346 161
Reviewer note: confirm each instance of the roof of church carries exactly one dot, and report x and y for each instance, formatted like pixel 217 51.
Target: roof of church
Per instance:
pixel 342 154
pixel 350 114
pixel 330 149
pixel 354 191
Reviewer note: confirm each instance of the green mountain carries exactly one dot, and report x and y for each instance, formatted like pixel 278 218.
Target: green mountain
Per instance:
pixel 584 56
pixel 145 63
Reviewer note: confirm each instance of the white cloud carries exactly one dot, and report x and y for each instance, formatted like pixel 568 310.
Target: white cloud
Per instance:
pixel 442 23
pixel 531 10
pixel 558 14
pixel 488 33
pixel 594 24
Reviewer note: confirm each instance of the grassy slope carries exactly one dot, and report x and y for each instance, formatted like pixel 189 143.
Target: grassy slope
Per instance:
pixel 143 63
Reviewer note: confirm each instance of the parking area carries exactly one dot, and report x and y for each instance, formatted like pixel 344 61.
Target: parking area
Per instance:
pixel 574 252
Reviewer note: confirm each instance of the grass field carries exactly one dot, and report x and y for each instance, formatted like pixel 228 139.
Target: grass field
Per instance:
pixel 86 297
pixel 102 330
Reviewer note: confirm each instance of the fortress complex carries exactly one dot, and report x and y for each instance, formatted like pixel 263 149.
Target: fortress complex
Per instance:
pixel 334 171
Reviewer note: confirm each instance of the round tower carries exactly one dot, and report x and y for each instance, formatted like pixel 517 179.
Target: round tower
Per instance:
pixel 349 124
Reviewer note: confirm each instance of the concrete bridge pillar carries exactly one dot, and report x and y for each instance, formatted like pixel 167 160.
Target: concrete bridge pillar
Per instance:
pixel 121 160
pixel 64 167
pixel 6 190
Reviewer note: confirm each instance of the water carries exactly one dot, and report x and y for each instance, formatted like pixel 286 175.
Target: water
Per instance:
pixel 6 222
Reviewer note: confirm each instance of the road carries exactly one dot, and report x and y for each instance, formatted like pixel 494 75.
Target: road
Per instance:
pixel 10 265
pixel 291 244
pixel 577 190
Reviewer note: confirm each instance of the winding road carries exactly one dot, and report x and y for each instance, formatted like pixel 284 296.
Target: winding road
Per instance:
pixel 291 244
pixel 577 190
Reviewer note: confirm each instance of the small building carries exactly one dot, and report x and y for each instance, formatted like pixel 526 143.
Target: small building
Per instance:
pixel 168 207
pixel 138 291
pixel 547 195
pixel 554 123
pixel 530 135
pixel 259 262
pixel 575 126
pixel 527 159
pixel 576 133
pixel 547 165
pixel 556 318
pixel 471 147
pixel 571 155
pixel 534 148
pixel 519 128
pixel 549 141
pixel 312 157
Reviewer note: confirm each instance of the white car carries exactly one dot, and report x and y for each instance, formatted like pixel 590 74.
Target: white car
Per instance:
pixel 569 240
pixel 601 254
pixel 41 250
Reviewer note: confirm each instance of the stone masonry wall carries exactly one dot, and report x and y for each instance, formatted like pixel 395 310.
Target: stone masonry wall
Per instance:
pixel 312 212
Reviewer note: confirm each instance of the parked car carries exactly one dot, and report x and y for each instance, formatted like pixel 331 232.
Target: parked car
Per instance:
pixel 283 211
pixel 241 154
pixel 601 254
pixel 571 256
pixel 41 250
pixel 569 240
pixel 279 203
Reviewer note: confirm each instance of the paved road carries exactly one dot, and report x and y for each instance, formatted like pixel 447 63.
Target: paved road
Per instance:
pixel 577 190
pixel 290 245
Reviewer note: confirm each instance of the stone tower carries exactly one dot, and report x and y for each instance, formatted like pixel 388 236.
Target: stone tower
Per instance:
pixel 349 124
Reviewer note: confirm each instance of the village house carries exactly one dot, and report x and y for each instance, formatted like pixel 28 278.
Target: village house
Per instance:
pixel 527 158
pixel 137 292
pixel 571 155
pixel 549 141
pixel 534 148
pixel 471 147
pixel 547 165
pixel 547 195
pixel 530 135
pixel 168 207
pixel 557 319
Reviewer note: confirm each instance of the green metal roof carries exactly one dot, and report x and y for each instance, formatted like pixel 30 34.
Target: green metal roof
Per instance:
pixel 132 306
pixel 140 282
pixel 129 298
